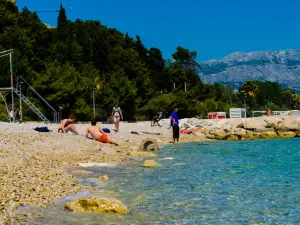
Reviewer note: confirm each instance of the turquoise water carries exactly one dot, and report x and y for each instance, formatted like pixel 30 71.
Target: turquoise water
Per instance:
pixel 232 182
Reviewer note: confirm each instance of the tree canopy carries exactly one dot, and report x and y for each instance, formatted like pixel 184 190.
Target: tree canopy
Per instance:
pixel 67 63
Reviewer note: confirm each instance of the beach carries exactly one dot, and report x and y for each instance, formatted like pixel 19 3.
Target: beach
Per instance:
pixel 38 168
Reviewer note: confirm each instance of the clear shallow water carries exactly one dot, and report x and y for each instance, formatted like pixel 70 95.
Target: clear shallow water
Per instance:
pixel 240 182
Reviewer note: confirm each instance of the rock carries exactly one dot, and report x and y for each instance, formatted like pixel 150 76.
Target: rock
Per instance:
pixel 150 163
pixel 288 124
pixel 199 134
pixel 221 134
pixel 239 132
pixel 198 123
pixel 103 178
pixel 256 125
pixel 287 134
pixel 97 205
pixel 149 144
pixel 236 122
pixel 272 122
pixel 298 134
pixel 252 135
pixel 233 138
pixel 269 134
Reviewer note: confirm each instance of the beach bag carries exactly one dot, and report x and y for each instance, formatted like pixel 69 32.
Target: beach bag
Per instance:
pixel 42 129
pixel 106 130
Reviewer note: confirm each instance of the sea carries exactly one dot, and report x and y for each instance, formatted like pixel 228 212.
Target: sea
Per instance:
pixel 217 182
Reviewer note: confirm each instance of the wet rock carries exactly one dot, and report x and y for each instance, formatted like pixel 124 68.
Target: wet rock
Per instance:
pixel 149 144
pixel 288 134
pixel 97 205
pixel 103 178
pixel 269 134
pixel 233 138
pixel 150 163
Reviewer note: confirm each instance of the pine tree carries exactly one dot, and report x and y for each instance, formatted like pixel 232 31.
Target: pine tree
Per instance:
pixel 62 24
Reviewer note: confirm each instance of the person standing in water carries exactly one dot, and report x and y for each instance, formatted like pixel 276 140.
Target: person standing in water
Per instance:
pixel 175 125
pixel 117 116
pixel 67 125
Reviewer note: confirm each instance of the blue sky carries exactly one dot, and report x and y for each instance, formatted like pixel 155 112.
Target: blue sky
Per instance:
pixel 213 28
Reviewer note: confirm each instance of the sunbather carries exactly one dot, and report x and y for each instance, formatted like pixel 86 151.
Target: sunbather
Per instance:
pixel 67 125
pixel 98 134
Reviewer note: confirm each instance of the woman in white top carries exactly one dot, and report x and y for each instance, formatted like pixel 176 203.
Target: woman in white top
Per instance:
pixel 117 116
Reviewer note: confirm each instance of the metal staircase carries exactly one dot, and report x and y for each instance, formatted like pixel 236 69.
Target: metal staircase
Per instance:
pixel 31 106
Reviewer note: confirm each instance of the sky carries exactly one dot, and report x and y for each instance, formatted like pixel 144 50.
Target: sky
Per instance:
pixel 212 28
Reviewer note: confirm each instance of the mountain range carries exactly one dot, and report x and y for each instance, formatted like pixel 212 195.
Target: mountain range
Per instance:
pixel 276 66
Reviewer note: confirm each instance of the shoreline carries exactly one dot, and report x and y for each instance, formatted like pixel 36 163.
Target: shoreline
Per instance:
pixel 35 167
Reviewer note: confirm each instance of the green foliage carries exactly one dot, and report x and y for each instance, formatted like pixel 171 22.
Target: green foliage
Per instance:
pixel 68 63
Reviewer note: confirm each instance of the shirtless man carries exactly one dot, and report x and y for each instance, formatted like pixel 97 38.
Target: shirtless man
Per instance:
pixel 67 125
pixel 98 134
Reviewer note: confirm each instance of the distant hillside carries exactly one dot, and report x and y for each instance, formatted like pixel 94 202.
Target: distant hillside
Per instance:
pixel 236 68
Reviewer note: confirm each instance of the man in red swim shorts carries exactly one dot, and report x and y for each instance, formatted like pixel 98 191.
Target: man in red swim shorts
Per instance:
pixel 98 134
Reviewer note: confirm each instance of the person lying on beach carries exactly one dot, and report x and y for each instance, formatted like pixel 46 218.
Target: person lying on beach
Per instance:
pixel 98 134
pixel 67 125
pixel 192 130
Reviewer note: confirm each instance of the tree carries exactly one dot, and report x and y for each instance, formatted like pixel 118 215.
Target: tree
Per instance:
pixel 249 92
pixel 62 24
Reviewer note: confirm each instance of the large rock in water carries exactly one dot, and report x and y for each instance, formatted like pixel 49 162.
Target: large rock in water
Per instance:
pixel 97 205
pixel 150 163
pixel 269 134
pixel 287 134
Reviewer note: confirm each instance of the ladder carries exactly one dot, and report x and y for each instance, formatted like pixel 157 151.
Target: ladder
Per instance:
pixel 31 106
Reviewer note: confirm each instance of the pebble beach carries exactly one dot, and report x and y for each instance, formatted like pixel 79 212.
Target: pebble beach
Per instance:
pixel 36 168
pixel 39 168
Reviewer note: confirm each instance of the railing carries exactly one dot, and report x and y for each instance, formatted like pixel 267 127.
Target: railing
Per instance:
pixel 56 116
pixel 277 113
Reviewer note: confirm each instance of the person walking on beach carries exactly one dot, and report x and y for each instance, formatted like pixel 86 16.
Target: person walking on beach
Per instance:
pixel 67 125
pixel 175 125
pixel 117 116
pixel 98 134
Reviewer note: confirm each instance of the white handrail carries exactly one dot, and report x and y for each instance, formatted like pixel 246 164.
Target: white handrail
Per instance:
pixel 10 51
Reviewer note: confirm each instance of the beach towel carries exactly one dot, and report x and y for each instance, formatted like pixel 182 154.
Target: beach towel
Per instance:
pixel 42 129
